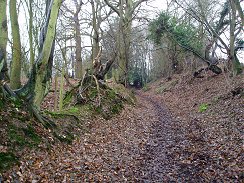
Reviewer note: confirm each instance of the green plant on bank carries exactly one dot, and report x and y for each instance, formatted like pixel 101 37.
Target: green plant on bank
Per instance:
pixel 203 107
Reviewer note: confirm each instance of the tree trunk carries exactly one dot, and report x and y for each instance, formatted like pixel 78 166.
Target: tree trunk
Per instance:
pixel 32 54
pixel 37 87
pixel 236 67
pixel 78 68
pixel 3 40
pixel 240 11
pixel 55 92
pixel 124 41
pixel 15 73
pixel 96 27
pixel 125 12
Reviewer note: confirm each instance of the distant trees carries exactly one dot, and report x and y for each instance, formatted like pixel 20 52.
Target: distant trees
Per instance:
pixel 200 30
pixel 77 29
pixel 225 19
pixel 125 9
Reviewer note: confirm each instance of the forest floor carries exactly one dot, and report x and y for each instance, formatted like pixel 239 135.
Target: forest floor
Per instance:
pixel 180 130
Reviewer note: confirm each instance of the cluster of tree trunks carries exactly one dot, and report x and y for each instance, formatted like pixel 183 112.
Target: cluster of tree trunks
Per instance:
pixel 37 86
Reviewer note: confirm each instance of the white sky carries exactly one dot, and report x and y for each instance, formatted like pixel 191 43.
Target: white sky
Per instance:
pixel 153 5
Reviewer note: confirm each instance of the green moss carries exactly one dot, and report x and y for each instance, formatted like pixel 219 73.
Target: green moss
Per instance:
pixel 73 110
pixel 23 136
pixel 1 104
pixel 98 109
pixel 111 94
pixel 67 98
pixel 116 108
pixel 7 160
pixel 16 136
pixel 93 93
pixel 17 103
pixel 30 133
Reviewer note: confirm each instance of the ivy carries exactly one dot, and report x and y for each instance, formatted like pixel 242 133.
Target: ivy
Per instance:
pixel 184 34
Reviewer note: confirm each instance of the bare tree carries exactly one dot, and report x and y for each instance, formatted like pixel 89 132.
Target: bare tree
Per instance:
pixel 75 18
pixel 125 9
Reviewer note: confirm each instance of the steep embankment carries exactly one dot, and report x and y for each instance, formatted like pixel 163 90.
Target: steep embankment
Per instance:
pixel 211 112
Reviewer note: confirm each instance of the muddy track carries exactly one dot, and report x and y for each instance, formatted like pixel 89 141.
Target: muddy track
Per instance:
pixel 162 157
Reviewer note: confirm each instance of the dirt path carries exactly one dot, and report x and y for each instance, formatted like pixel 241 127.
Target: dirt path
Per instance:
pixel 163 154
pixel 142 144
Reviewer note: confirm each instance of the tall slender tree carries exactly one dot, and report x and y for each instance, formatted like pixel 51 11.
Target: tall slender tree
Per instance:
pixel 125 9
pixel 3 40
pixel 77 29
pixel 15 74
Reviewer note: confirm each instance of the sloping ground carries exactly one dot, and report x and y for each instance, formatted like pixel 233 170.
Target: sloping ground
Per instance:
pixel 150 143
pixel 211 111
pixel 112 151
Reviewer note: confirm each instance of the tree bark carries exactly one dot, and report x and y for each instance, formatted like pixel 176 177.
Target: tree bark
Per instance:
pixel 78 68
pixel 3 40
pixel 240 12
pixel 30 31
pixel 236 67
pixel 15 73
pixel 96 27
pixel 43 69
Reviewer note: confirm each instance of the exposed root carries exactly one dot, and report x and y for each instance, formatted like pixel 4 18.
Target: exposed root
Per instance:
pixel 98 90
pixel 47 123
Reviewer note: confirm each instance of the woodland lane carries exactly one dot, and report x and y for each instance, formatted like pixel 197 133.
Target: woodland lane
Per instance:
pixel 163 150
pixel 142 144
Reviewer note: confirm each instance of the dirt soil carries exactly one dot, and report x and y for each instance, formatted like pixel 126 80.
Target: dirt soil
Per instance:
pixel 164 138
